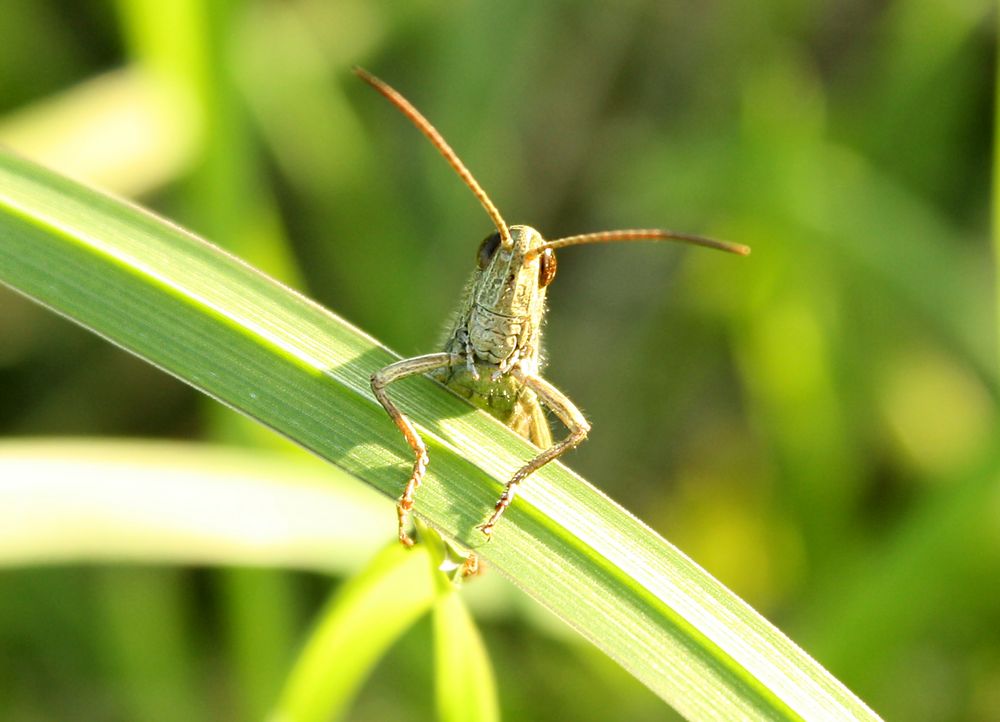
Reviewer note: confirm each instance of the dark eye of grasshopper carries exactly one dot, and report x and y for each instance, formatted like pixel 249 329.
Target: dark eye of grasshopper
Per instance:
pixel 546 267
pixel 487 248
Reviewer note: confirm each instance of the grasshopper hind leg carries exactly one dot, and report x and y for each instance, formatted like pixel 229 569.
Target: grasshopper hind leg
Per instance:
pixel 567 412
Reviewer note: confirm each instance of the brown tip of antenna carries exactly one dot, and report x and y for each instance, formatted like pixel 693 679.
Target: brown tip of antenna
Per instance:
pixel 437 140
pixel 641 234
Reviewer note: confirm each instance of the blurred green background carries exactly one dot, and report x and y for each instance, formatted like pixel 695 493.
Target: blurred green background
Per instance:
pixel 816 425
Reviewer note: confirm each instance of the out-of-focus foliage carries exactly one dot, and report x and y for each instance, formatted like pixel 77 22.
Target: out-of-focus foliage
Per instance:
pixel 817 424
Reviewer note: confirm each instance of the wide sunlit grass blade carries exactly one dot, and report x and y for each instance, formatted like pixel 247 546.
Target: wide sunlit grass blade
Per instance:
pixel 266 351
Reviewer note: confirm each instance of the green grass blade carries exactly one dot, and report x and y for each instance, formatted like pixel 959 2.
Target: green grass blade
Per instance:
pixel 260 348
pixel 463 677
pixel 363 619
pixel 996 184
pixel 71 501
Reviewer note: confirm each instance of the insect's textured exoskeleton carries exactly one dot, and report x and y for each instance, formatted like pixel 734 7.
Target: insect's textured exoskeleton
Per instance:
pixel 492 354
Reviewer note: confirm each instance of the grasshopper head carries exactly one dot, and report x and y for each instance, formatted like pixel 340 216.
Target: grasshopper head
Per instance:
pixel 512 280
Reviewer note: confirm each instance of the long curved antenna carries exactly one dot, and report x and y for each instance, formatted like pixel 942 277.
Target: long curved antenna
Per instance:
pixel 438 141
pixel 639 234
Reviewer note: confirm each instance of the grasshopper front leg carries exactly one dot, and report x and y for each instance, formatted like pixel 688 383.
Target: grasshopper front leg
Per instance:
pixel 567 412
pixel 380 380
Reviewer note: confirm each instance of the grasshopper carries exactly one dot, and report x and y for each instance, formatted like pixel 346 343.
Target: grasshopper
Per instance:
pixel 492 352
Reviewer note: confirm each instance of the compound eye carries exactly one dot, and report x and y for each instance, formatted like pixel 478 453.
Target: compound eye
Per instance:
pixel 546 267
pixel 487 249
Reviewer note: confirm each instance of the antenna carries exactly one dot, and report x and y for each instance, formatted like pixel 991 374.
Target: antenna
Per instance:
pixel 639 234
pixel 437 140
